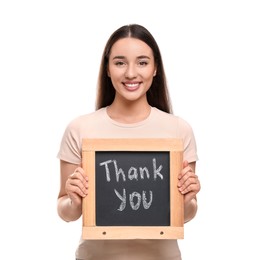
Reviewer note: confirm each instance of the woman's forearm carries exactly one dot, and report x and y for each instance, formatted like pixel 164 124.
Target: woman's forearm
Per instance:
pixel 190 210
pixel 67 210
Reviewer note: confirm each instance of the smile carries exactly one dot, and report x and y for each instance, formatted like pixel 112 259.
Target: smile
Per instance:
pixel 132 86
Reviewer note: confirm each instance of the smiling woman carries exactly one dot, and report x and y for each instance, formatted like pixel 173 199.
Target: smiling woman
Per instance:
pixel 132 102
pixel 136 67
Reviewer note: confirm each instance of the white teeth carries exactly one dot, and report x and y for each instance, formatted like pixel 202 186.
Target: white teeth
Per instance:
pixel 131 85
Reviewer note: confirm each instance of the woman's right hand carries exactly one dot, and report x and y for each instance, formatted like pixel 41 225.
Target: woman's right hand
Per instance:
pixel 77 186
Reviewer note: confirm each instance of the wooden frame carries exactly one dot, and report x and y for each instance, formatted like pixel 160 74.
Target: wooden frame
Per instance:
pixel 174 231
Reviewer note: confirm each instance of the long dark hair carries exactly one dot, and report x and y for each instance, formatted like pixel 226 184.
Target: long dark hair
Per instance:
pixel 157 94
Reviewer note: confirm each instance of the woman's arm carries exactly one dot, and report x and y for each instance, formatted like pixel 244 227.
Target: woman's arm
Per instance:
pixel 189 186
pixel 73 187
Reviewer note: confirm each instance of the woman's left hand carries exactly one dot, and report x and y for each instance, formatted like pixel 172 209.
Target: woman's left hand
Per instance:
pixel 188 183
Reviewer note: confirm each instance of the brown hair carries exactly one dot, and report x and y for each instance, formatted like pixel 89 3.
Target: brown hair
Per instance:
pixel 157 95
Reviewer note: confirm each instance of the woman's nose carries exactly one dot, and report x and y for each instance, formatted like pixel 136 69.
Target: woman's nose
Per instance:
pixel 130 72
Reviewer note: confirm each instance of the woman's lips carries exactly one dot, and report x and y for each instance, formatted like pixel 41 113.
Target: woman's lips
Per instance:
pixel 132 86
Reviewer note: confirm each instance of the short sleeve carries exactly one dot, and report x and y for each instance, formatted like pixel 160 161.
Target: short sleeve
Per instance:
pixel 189 142
pixel 70 147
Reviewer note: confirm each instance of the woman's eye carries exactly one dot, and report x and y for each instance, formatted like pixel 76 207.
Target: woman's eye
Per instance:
pixel 143 63
pixel 119 63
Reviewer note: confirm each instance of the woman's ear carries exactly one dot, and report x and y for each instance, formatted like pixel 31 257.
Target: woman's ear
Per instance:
pixel 154 73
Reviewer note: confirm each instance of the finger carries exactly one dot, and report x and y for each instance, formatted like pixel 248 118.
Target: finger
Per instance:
pixel 186 168
pixel 79 174
pixel 79 169
pixel 189 179
pixel 78 189
pixel 75 187
pixel 191 187
pixel 77 184
pixel 185 164
pixel 185 177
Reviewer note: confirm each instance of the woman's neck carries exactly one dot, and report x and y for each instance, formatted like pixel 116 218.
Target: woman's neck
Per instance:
pixel 128 113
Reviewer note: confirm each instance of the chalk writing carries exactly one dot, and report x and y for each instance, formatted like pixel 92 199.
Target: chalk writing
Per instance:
pixel 133 173
pixel 134 206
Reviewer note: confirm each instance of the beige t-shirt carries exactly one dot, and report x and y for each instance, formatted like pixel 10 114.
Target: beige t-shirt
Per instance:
pixel 99 125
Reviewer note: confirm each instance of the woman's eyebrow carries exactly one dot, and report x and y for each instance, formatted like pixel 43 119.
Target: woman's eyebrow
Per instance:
pixel 119 57
pixel 143 57
pixel 139 57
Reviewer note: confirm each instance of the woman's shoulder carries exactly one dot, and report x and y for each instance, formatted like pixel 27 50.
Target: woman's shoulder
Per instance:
pixel 85 119
pixel 171 120
pixel 169 117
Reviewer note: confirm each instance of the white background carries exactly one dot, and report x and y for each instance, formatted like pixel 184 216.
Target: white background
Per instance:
pixel 49 59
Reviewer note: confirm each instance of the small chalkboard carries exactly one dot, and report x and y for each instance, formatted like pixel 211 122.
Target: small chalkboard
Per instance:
pixel 133 190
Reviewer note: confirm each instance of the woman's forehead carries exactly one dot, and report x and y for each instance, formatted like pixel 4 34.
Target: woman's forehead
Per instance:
pixel 130 47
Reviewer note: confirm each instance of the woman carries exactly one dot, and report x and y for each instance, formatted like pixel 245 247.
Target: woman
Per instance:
pixel 132 102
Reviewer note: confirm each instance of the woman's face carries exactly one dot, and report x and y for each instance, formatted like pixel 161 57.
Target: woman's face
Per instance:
pixel 131 68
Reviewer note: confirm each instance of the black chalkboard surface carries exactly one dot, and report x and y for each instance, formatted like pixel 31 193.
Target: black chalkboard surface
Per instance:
pixel 133 190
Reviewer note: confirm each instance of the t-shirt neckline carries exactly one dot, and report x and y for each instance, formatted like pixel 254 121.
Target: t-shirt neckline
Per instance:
pixel 128 125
